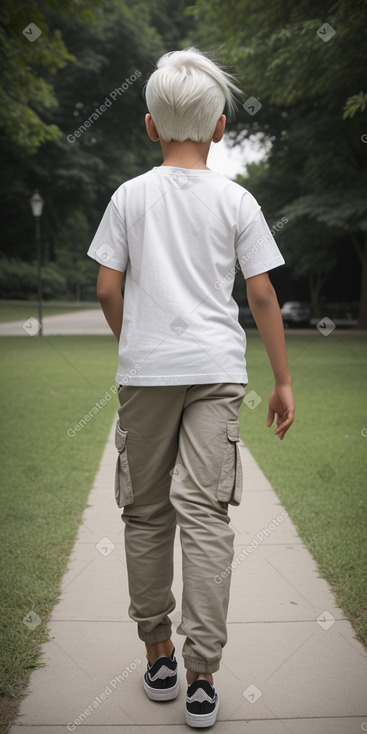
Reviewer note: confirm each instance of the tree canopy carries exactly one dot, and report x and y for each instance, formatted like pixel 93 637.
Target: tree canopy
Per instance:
pixel 304 63
pixel 72 120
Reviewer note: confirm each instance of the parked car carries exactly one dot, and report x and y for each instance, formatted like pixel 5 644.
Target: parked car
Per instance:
pixel 296 313
pixel 245 317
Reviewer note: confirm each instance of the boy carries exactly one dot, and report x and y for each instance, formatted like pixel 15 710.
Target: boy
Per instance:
pixel 177 230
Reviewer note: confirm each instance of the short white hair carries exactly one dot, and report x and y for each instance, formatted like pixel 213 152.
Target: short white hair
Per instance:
pixel 187 94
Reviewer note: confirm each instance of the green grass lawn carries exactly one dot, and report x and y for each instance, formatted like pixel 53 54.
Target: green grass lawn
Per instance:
pixel 49 384
pixel 22 311
pixel 319 470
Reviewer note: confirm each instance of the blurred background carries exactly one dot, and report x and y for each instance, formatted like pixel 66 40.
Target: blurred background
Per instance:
pixel 72 127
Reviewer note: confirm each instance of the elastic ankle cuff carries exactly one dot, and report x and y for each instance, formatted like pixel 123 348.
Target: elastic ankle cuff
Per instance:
pixel 200 666
pixel 160 634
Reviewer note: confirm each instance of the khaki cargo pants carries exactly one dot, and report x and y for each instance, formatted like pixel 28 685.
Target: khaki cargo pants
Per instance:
pixel 179 463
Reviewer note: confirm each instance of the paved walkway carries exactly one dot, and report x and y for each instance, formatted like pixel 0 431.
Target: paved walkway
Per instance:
pixel 92 321
pixel 292 664
pixel 86 321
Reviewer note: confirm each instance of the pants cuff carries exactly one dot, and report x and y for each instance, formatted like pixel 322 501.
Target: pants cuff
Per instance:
pixel 159 634
pixel 200 666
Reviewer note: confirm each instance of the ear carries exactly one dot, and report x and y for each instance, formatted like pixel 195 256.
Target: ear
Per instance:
pixel 219 129
pixel 151 128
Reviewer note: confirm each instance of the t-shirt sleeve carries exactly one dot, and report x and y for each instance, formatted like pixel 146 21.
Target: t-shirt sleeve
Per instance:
pixel 109 245
pixel 256 249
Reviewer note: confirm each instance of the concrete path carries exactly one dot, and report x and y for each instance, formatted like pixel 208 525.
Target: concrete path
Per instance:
pixel 86 321
pixel 92 321
pixel 292 664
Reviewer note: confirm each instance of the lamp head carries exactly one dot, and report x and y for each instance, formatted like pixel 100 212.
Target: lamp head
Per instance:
pixel 36 203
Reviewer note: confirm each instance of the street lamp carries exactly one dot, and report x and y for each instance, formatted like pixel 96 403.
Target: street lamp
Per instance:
pixel 37 203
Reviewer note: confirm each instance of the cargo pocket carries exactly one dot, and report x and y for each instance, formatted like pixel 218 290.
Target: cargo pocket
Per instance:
pixel 123 486
pixel 230 482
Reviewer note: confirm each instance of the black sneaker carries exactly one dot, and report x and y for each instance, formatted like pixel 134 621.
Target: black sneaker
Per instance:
pixel 202 704
pixel 160 680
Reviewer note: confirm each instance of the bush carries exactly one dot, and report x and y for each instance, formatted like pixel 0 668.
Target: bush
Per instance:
pixel 343 310
pixel 18 279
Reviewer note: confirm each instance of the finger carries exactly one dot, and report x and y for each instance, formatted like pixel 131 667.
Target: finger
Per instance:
pixel 280 432
pixel 284 425
pixel 270 418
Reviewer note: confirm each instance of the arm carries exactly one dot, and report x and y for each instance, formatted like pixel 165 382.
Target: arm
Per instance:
pixel 265 309
pixel 110 297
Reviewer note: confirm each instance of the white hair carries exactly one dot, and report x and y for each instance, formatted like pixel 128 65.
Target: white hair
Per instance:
pixel 187 94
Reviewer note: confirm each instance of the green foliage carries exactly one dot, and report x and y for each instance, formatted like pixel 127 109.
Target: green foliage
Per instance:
pixel 308 84
pixel 26 94
pixel 340 209
pixel 18 279
pixel 100 46
pixel 355 103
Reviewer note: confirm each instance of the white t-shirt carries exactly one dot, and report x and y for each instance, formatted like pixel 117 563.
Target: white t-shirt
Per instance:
pixel 177 233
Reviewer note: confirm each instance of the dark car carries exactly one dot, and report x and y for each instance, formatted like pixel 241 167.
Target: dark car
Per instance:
pixel 245 317
pixel 296 313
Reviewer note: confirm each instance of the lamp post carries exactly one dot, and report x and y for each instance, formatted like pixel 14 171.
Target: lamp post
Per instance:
pixel 37 203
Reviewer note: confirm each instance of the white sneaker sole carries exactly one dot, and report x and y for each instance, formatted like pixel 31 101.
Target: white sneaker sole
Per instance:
pixel 201 720
pixel 161 694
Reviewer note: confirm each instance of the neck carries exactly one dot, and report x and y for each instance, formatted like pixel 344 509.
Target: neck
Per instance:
pixel 186 154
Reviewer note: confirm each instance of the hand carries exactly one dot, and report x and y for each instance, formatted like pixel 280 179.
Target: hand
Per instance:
pixel 281 404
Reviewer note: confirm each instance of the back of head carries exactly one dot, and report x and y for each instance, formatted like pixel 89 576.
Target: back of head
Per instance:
pixel 187 94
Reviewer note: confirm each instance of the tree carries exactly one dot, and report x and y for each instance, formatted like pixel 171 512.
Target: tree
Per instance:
pixel 28 48
pixel 306 77
pixel 99 116
pixel 309 247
